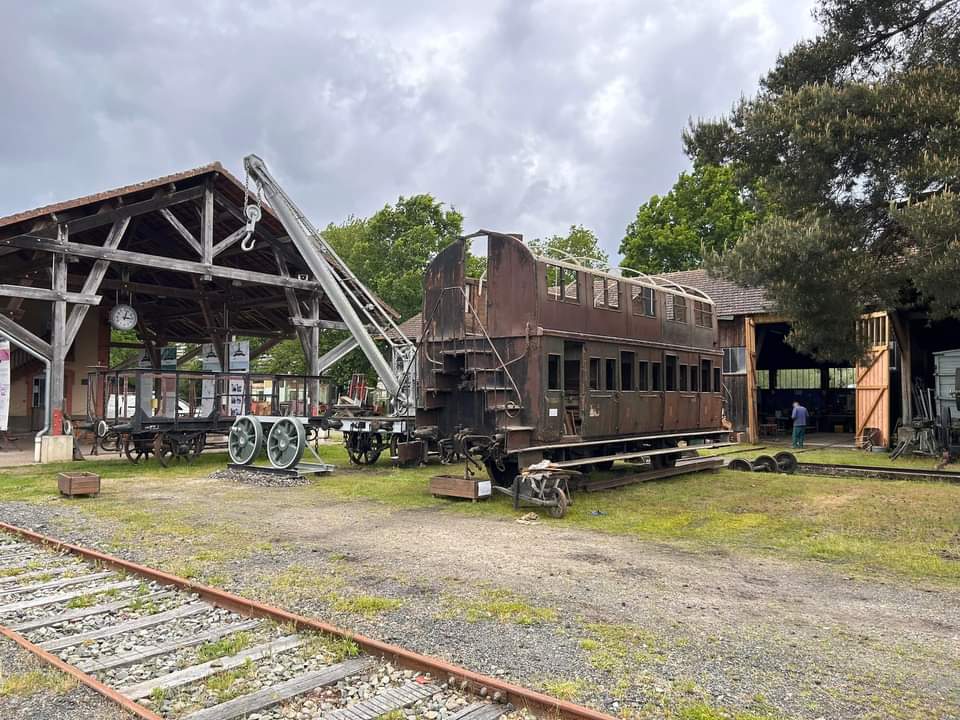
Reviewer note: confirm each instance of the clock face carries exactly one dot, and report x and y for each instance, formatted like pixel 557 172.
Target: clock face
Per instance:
pixel 123 317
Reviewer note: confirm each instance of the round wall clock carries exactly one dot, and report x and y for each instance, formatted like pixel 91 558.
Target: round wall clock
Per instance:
pixel 123 317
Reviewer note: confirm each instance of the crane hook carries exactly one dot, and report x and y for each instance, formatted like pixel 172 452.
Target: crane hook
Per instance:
pixel 253 214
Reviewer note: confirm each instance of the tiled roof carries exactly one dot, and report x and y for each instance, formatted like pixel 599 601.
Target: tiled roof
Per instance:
pixel 116 192
pixel 411 328
pixel 729 298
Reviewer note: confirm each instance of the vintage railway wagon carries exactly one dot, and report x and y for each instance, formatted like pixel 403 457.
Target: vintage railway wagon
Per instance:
pixel 547 359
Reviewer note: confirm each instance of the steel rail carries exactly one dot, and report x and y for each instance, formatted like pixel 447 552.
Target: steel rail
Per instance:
pixel 463 679
pixel 874 470
pixel 91 682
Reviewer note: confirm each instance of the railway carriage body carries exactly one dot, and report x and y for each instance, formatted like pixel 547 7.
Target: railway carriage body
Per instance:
pixel 548 359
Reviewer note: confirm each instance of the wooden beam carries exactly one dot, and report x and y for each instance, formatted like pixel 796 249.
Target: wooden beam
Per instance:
pixel 263 347
pixel 318 323
pixel 23 337
pixel 32 293
pixel 158 262
pixel 127 211
pixel 206 225
pixel 179 227
pixel 230 240
pixel 94 280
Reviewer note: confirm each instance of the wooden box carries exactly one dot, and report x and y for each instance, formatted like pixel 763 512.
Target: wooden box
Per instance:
pixel 458 486
pixel 78 483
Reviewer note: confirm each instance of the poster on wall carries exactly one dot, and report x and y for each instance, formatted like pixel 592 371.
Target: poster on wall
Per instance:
pixel 211 363
pixel 239 361
pixel 4 384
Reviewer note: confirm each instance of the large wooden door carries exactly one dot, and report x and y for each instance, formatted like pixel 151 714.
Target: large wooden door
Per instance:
pixel 873 378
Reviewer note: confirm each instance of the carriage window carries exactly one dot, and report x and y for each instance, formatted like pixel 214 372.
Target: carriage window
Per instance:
pixel 682 385
pixel 643 382
pixel 563 283
pixel 694 379
pixel 606 292
pixel 705 376
pixel 594 373
pixel 671 379
pixel 627 360
pixel 553 372
pixel 716 379
pixel 610 374
pixel 656 383
pixel 675 308
pixel 644 301
pixel 703 314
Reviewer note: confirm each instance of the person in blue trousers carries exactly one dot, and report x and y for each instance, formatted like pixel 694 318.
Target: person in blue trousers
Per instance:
pixel 799 417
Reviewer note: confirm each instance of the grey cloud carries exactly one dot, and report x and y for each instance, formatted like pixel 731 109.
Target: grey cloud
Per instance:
pixel 527 116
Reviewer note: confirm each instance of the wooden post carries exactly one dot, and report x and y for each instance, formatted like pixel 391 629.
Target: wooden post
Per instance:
pixel 750 339
pixel 206 233
pixel 313 354
pixel 58 337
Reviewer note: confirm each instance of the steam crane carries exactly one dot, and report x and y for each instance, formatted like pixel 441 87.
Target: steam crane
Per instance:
pixel 364 315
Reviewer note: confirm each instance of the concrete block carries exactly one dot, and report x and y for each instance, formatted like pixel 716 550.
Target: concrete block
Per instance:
pixel 56 448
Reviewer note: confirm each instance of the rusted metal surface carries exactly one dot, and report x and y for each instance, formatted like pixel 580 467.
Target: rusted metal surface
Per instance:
pixel 591 356
pixel 465 679
pixel 91 682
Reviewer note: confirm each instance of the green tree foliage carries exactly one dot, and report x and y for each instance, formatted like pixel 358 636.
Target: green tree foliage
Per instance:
pixel 287 357
pixel 580 244
pixel 704 212
pixel 854 137
pixel 391 250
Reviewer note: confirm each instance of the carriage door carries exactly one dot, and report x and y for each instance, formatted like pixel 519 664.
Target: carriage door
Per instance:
pixel 572 388
pixel 553 395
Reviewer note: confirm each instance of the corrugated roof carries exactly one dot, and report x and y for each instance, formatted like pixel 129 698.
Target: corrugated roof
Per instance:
pixel 116 192
pixel 729 298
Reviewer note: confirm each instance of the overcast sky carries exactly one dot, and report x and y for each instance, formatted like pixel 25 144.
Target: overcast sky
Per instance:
pixel 525 116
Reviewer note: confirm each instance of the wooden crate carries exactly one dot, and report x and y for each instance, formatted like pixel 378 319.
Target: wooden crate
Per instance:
pixel 78 483
pixel 458 486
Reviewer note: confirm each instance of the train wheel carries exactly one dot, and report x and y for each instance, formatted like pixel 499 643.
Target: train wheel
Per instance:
pixel 135 450
pixel 245 439
pixel 364 448
pixel 503 478
pixel 286 442
pixel 167 453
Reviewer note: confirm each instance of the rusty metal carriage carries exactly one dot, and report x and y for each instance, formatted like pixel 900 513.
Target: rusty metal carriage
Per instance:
pixel 544 359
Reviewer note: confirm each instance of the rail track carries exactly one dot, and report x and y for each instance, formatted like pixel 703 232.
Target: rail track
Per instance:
pixel 164 647
pixel 874 472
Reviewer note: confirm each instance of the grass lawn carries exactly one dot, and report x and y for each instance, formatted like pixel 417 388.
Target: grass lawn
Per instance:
pixel 866 526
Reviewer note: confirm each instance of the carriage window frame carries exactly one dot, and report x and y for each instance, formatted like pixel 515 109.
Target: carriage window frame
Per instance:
pixel 628 363
pixel 643 301
pixel 554 372
pixel 643 376
pixel 694 378
pixel 656 377
pixel 670 365
pixel 682 378
pixel 564 279
pixel 610 374
pixel 702 314
pixel 706 372
pixel 675 308
pixel 603 298
pixel 717 379
pixel 595 379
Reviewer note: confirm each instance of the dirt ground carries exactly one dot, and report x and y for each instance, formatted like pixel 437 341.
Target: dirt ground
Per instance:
pixel 635 628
